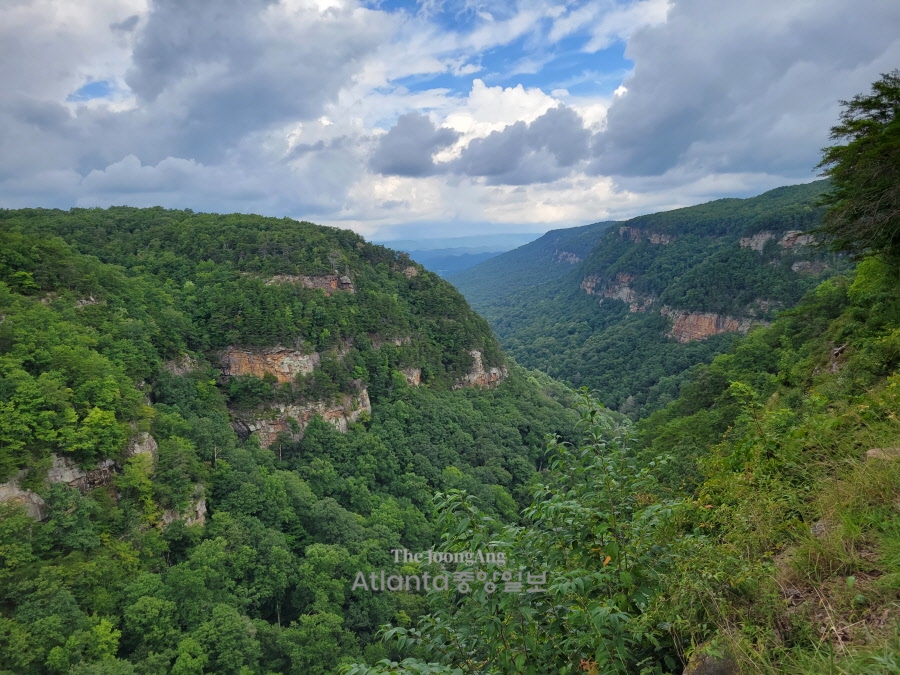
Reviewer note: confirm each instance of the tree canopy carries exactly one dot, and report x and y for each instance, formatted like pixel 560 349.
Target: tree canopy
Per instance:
pixel 865 173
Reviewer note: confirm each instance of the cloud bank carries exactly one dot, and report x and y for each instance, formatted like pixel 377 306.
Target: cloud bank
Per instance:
pixel 515 115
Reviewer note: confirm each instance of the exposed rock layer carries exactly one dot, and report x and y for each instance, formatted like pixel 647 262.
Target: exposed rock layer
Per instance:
pixel 619 290
pixel 326 282
pixel 687 326
pixel 63 470
pixel 284 364
pixel 638 235
pixel 479 377
pixel 278 418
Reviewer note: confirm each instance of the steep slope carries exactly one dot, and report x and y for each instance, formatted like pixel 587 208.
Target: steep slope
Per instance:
pixel 208 421
pixel 548 257
pixel 656 294
pixel 772 544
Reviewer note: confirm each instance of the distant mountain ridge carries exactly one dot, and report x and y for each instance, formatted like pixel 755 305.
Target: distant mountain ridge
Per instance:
pixel 628 308
pixel 550 256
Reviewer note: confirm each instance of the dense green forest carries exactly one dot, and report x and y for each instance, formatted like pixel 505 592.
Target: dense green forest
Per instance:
pixel 614 340
pixel 112 325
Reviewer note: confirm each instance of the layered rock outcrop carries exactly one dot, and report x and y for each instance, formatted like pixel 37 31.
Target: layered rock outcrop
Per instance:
pixel 329 283
pixel 413 376
pixel 638 235
pixel 688 326
pixel 619 290
pixel 479 377
pixel 292 419
pixel 790 239
pixel 758 241
pixel 194 514
pixel 63 470
pixel 795 238
pixel 285 364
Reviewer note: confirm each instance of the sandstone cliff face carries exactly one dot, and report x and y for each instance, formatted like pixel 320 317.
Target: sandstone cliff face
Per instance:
pixel 757 241
pixel 619 290
pixel 284 364
pixel 10 492
pixel 566 257
pixel 181 366
pixel 479 377
pixel 795 238
pixel 790 239
pixel 638 235
pixel 195 514
pixel 63 470
pixel 329 283
pixel 413 376
pixel 687 326
pixel 278 418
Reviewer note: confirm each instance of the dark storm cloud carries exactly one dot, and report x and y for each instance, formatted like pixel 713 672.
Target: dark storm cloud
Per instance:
pixel 407 149
pixel 541 151
pixel 743 87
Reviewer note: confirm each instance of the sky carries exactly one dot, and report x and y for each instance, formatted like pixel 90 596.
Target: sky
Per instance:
pixel 408 119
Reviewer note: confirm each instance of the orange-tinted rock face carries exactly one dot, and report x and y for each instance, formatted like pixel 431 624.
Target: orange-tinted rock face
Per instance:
pixel 284 364
pixel 479 377
pixel 278 419
pixel 687 326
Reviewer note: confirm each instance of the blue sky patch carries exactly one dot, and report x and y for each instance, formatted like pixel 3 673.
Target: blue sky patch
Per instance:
pixel 91 91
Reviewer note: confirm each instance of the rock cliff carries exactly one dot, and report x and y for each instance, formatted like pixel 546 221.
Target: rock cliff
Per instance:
pixel 637 235
pixel 758 241
pixel 795 238
pixel 413 376
pixel 292 419
pixel 285 364
pixel 63 470
pixel 790 239
pixel 619 290
pixel 326 282
pixel 479 377
pixel 687 326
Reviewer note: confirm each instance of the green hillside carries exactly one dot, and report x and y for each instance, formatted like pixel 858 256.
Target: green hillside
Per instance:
pixel 552 255
pixel 749 526
pixel 654 295
pixel 210 423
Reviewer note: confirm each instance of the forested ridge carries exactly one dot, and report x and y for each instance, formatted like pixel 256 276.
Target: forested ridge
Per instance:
pixel 179 547
pixel 600 317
